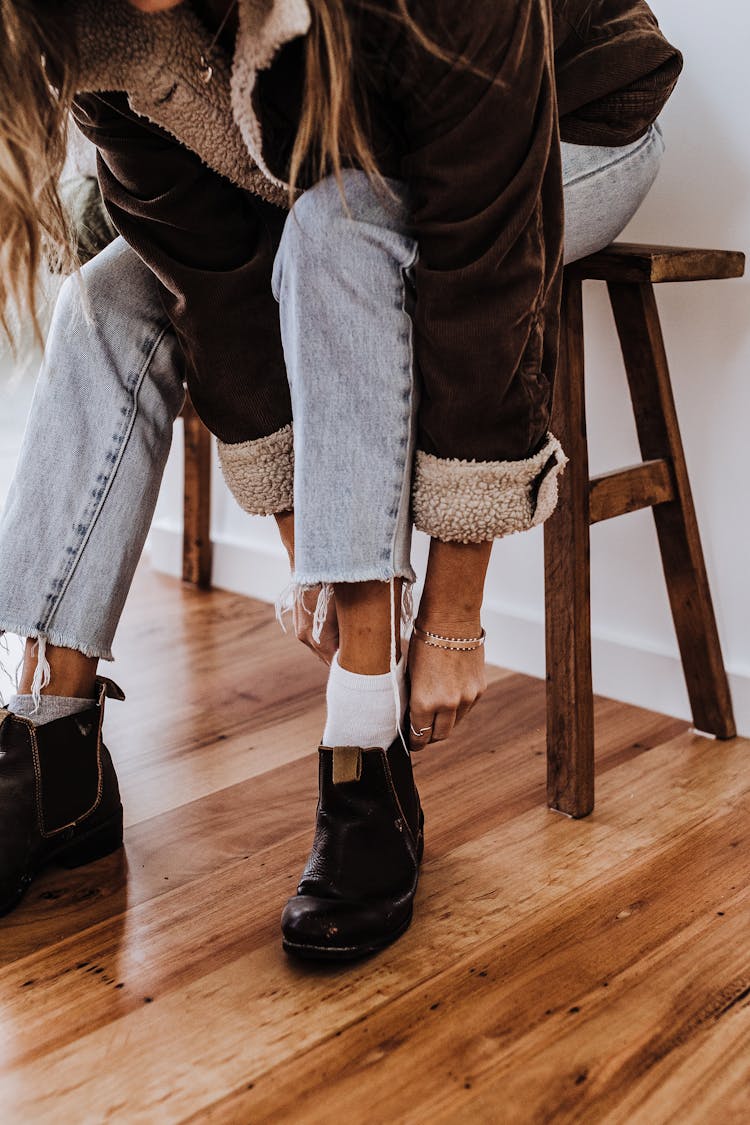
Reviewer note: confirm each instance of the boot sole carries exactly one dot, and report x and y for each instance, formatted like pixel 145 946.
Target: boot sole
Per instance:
pixel 97 844
pixel 343 952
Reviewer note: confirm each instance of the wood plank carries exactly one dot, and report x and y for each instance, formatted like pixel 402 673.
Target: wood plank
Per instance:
pixel 233 1022
pixel 627 489
pixel 642 343
pixel 196 526
pixel 476 1039
pixel 650 264
pixel 567 583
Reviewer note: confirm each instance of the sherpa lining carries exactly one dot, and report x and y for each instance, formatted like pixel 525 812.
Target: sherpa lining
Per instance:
pixel 472 501
pixel 258 40
pixel 155 58
pixel 260 473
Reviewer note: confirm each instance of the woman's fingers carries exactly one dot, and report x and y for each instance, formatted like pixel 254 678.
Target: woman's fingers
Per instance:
pixel 326 657
pixel 444 684
pixel 443 725
pixel 463 709
pixel 420 729
pixel 427 727
pixel 303 614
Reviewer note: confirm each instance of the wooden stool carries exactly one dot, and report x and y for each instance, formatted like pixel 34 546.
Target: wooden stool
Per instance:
pixel 660 481
pixel 196 526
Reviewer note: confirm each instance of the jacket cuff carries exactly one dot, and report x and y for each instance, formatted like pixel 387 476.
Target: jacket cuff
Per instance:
pixel 472 501
pixel 260 473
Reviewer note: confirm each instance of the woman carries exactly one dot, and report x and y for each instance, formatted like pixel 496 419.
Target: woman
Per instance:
pixel 418 284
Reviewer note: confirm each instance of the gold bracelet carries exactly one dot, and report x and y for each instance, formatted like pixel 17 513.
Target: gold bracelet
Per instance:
pixel 440 637
pixel 451 644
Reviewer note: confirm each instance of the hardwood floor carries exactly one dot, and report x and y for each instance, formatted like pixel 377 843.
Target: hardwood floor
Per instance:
pixel 556 970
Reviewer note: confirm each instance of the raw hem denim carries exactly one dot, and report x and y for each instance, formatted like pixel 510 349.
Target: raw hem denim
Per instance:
pixel 96 442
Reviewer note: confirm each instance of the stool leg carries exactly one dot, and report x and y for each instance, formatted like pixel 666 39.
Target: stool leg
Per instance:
pixel 196 535
pixel 639 329
pixel 570 701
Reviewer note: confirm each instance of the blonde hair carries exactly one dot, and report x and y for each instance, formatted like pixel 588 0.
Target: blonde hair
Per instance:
pixel 38 68
pixel 330 123
pixel 37 83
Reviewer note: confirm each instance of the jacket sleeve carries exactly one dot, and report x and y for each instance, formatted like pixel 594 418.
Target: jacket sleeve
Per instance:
pixel 482 158
pixel 211 246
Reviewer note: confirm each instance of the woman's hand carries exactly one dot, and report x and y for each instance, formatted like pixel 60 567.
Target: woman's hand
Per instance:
pixel 302 617
pixel 445 686
pixel 303 608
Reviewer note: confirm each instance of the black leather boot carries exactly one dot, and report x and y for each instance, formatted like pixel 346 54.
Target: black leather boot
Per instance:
pixel 59 798
pixel 358 886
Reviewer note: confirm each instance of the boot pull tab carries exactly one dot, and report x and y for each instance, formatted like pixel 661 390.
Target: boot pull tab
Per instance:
pixel 108 689
pixel 347 764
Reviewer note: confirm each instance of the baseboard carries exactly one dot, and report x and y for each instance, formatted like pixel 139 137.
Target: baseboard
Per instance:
pixel 632 673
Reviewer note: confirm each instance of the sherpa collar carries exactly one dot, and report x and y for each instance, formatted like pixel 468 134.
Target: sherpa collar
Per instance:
pixel 264 27
pixel 155 60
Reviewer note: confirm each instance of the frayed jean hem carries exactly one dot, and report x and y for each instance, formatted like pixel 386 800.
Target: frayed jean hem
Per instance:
pixel 59 640
pixel 42 672
pixel 368 574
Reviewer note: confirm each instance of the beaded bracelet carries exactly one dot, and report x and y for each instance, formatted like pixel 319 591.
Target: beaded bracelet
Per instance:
pixel 452 644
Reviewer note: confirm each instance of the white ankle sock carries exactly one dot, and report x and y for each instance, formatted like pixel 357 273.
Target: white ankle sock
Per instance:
pixel 362 709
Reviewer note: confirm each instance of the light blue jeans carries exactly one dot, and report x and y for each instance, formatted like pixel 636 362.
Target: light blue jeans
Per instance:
pixel 110 388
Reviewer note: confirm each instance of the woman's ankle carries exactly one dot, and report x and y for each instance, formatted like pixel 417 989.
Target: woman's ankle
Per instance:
pixel 71 673
pixel 361 709
pixel 364 619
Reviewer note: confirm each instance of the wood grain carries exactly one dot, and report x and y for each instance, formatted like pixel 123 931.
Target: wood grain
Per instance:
pixel 567 582
pixel 636 263
pixel 196 528
pixel 581 970
pixel 626 490
pixel 639 329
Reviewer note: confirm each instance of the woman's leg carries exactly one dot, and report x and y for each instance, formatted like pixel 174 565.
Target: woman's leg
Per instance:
pixel 341 278
pixel 71 534
pixel 88 475
pixel 344 286
pixel 603 189
pixel 342 281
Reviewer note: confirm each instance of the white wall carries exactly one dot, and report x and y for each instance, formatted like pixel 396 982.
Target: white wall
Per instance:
pixel 702 198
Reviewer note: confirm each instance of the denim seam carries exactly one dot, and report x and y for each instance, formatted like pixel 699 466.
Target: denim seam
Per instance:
pixel 85 530
pixel 645 142
pixel 401 498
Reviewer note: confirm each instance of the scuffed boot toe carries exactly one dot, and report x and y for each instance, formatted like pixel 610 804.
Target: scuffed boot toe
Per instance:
pixel 326 929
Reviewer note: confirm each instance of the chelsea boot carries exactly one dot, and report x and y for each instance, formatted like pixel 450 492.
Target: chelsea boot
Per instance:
pixel 357 890
pixel 59 798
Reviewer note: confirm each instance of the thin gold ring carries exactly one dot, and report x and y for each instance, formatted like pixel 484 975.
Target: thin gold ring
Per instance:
pixel 419 733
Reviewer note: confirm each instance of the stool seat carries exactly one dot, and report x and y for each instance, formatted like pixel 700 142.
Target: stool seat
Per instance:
pixel 659 481
pixel 639 263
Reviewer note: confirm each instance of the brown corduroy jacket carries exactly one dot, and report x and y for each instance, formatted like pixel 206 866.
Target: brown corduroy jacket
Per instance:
pixel 193 176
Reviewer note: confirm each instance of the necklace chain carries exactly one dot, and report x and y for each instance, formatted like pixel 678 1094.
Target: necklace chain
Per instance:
pixel 206 69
